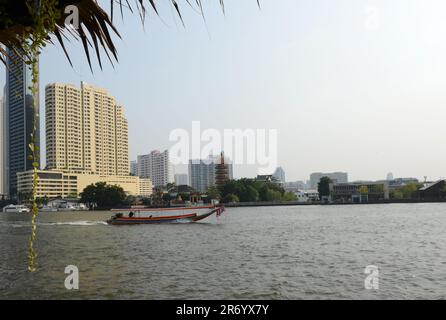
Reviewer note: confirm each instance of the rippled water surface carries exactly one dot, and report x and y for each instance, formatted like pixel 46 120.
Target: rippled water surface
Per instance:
pixel 301 252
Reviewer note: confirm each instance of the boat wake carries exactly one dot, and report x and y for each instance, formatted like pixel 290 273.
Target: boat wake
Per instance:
pixel 74 223
pixel 67 223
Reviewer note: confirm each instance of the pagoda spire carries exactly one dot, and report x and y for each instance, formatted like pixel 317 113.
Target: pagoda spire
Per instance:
pixel 221 172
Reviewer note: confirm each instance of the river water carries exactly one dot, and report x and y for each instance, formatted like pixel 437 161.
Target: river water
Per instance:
pixel 296 252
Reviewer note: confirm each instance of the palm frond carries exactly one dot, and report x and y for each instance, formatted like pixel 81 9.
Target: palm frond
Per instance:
pixel 95 28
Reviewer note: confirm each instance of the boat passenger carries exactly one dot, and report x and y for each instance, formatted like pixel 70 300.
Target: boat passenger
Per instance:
pixel 131 214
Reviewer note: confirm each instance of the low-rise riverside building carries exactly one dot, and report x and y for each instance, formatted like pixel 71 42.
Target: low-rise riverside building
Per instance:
pixel 359 192
pixel 433 191
pixel 306 195
pixel 60 184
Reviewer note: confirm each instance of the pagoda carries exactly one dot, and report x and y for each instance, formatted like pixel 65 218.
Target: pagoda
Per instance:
pixel 221 172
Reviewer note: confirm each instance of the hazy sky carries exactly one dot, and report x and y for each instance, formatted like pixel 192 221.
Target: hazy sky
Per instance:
pixel 350 85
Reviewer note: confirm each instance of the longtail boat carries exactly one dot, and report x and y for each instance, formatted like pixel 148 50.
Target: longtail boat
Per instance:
pixel 121 218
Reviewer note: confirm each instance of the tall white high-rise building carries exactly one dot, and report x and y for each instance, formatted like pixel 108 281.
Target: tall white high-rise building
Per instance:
pixel 202 172
pixel 156 166
pixel 86 130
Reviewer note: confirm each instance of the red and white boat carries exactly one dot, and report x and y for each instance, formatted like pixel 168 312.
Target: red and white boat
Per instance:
pixel 163 215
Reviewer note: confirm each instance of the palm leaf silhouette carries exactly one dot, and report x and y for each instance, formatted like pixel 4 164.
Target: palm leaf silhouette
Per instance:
pixel 95 24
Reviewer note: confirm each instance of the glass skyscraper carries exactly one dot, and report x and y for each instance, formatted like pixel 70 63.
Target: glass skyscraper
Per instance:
pixel 20 113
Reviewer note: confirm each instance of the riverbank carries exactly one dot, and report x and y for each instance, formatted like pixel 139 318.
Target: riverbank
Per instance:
pixel 297 203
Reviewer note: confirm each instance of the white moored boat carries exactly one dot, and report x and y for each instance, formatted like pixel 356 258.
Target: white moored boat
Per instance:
pixel 15 208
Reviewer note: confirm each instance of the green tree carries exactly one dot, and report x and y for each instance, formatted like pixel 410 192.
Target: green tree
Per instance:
pixel 231 186
pixel 263 193
pixel 184 196
pixel 250 190
pixel 248 194
pixel 323 187
pixel 170 186
pixel 103 195
pixel 213 193
pixel 167 197
pixel 289 196
pixel 230 198
pixel 409 191
pixel 157 197
pixel 273 195
pixel 397 194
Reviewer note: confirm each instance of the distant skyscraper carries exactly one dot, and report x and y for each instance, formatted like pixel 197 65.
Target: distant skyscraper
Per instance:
pixel 336 177
pixel 181 179
pixel 134 168
pixel 2 148
pixel 279 174
pixel 156 166
pixel 202 174
pixel 389 176
pixel 21 115
pixel 86 130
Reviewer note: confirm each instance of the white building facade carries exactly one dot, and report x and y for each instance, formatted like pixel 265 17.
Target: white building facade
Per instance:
pixel 157 167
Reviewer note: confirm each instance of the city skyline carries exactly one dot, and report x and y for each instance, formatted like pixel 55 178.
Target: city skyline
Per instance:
pixel 369 110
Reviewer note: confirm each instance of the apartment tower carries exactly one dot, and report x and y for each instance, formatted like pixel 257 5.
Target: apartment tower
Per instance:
pixel 86 131
pixel 157 167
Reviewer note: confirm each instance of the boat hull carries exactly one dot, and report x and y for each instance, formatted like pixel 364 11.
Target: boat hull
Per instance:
pixel 185 218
